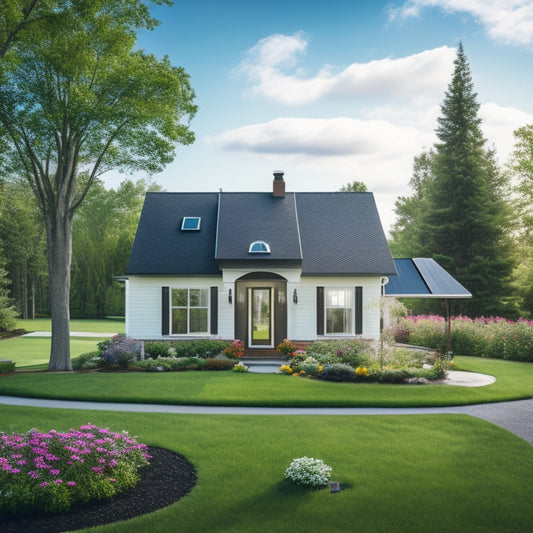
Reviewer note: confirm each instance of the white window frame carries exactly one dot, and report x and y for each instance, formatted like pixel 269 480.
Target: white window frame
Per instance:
pixel 186 219
pixel 188 308
pixel 351 322
pixel 263 244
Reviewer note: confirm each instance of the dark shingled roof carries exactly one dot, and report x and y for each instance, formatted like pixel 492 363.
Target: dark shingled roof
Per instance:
pixel 248 217
pixel 160 247
pixel 423 278
pixel 342 234
pixel 327 233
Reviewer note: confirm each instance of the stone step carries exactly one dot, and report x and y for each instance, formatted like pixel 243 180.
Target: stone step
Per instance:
pixel 263 365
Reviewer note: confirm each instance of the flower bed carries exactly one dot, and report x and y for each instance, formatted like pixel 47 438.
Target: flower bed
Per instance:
pixel 360 361
pixel 493 337
pixel 50 471
pixel 124 353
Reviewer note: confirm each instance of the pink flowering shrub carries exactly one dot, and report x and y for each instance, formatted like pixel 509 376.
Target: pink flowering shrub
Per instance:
pixel 50 471
pixel 493 337
pixel 235 349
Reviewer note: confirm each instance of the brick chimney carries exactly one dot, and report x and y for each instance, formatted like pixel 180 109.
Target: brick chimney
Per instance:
pixel 278 185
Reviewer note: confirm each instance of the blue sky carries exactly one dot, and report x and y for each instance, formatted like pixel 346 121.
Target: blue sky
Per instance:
pixel 335 90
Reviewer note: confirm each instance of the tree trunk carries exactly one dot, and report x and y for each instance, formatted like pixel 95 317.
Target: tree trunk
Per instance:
pixel 59 236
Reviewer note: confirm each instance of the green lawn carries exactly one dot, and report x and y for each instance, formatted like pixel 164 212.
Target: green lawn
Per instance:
pixel 34 352
pixel 437 473
pixel 95 325
pixel 514 380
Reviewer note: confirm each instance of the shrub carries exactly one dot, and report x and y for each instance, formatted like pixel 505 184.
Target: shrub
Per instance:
pixel 7 367
pixel 308 472
pixel 493 337
pixel 204 348
pixel 351 352
pixel 220 364
pixel 157 349
pixel 337 372
pixel 87 361
pixel 285 369
pixel 286 347
pixel 49 472
pixel 239 367
pixel 173 364
pixel 120 352
pixel 235 349
pixel 310 366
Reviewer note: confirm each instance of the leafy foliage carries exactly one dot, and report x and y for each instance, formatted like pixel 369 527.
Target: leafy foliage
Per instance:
pixel 459 213
pixel 77 100
pixel 50 471
pixel 7 311
pixel 493 337
pixel 308 472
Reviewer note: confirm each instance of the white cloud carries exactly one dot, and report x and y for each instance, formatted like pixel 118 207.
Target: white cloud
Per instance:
pixel 510 21
pixel 318 138
pixel 418 76
pixel 498 126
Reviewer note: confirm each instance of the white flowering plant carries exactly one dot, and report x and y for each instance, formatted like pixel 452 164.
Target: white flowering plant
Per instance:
pixel 308 472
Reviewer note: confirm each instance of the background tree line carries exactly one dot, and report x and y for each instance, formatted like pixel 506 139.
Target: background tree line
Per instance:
pixel 103 230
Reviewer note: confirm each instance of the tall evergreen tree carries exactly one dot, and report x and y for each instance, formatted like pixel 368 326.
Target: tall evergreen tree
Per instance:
pixel 464 223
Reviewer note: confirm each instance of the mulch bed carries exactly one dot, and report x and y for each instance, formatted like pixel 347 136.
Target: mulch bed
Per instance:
pixel 168 478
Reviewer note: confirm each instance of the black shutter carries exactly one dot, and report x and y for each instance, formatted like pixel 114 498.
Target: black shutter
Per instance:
pixel 213 306
pixel 320 310
pixel 165 310
pixel 359 310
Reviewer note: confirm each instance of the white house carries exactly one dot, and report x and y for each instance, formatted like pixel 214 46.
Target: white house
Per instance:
pixel 260 267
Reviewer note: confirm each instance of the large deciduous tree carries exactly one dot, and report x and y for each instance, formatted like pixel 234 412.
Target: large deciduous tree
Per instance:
pixel 76 100
pixel 461 212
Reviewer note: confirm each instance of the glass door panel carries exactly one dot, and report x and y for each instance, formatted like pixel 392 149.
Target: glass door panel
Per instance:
pixel 260 317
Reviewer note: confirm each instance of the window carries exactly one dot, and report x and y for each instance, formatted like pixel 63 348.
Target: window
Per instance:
pixel 191 223
pixel 190 311
pixel 259 247
pixel 339 311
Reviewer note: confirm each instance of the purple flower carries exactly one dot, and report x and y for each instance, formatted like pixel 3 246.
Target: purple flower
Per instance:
pixel 71 483
pixel 43 484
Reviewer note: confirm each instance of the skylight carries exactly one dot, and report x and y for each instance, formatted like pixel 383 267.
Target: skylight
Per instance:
pixel 191 223
pixel 259 247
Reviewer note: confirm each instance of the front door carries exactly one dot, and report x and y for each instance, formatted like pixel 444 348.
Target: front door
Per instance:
pixel 260 316
pixel 261 310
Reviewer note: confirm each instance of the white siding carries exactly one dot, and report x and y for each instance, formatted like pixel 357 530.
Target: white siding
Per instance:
pixel 302 316
pixel 143 304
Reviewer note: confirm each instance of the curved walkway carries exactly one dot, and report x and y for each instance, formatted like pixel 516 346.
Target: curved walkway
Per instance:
pixel 516 417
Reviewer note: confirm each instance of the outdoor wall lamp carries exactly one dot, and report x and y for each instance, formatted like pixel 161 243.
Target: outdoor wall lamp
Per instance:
pixel 229 296
pixel 295 296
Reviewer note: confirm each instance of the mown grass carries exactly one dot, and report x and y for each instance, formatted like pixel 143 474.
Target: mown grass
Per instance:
pixel 514 381
pixel 33 353
pixel 94 325
pixel 438 473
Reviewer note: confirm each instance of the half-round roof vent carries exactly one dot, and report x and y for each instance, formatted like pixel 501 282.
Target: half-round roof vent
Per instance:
pixel 259 247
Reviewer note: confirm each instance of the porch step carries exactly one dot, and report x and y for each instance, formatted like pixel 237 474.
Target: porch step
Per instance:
pixel 263 365
pixel 261 353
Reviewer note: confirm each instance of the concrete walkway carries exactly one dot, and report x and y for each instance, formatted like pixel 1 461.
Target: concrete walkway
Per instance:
pixel 516 417
pixel 72 334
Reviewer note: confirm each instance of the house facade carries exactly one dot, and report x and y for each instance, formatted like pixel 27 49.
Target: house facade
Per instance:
pixel 260 267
